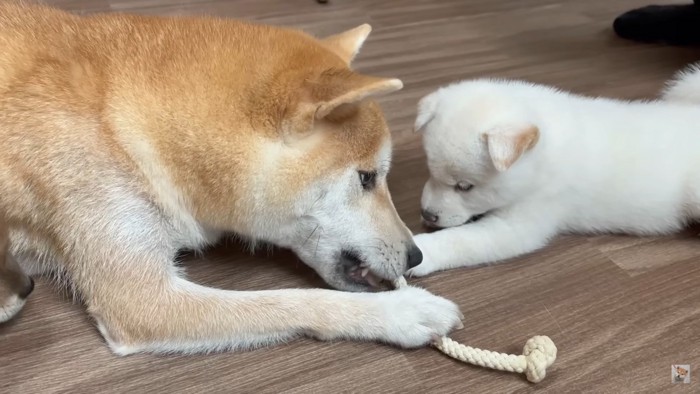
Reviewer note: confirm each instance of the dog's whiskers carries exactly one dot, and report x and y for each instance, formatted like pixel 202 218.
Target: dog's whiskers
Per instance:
pixel 310 235
pixel 317 242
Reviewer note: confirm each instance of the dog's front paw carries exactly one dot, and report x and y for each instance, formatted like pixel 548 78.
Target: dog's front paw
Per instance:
pixel 429 263
pixel 414 317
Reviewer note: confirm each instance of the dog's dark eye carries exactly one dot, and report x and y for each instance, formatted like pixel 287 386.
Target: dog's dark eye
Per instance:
pixel 463 186
pixel 367 179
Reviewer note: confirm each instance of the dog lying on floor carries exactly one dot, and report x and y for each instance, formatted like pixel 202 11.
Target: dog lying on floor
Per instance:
pixel 530 162
pixel 127 138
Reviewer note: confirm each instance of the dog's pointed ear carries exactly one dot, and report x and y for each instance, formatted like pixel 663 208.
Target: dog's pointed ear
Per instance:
pixel 426 112
pixel 332 96
pixel 507 144
pixel 348 43
pixel 339 89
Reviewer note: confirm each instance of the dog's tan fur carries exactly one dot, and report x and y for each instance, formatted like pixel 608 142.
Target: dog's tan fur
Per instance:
pixel 126 138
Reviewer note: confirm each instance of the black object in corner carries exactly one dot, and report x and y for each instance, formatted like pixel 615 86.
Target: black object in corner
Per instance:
pixel 670 24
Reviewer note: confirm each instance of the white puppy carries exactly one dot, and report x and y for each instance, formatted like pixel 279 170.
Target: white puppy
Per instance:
pixel 535 161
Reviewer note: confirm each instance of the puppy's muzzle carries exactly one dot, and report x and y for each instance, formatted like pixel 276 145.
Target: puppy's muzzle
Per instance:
pixel 475 218
pixel 431 219
pixel 428 216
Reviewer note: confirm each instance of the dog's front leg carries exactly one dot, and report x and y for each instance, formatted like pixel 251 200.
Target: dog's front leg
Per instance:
pixel 124 271
pixel 179 316
pixel 142 304
pixel 498 236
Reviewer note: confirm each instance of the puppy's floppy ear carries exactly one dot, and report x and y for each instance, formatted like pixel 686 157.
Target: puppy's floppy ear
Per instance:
pixel 348 43
pixel 426 112
pixel 333 95
pixel 507 144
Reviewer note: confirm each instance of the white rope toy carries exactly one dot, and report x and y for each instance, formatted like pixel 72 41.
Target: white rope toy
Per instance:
pixel 538 354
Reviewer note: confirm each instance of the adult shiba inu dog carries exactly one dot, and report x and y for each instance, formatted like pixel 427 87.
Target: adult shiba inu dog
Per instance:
pixel 15 285
pixel 127 138
pixel 535 162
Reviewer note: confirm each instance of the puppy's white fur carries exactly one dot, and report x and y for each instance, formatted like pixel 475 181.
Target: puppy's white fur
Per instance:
pixel 543 161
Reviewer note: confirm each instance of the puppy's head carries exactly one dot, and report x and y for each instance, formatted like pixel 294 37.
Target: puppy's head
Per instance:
pixel 321 188
pixel 478 141
pixel 15 287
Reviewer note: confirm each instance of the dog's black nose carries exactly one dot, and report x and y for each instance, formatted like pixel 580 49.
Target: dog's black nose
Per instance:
pixel 27 290
pixel 415 256
pixel 429 216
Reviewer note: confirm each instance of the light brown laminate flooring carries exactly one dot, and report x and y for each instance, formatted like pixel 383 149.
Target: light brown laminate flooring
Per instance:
pixel 620 309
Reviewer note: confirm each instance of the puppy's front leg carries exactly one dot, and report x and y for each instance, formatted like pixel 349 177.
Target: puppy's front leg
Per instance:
pixel 498 236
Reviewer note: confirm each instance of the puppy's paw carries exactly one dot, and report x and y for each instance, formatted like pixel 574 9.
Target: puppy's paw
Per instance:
pixel 414 317
pixel 421 270
pixel 428 265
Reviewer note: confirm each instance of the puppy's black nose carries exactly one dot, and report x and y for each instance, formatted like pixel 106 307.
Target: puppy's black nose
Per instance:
pixel 415 257
pixel 27 290
pixel 429 216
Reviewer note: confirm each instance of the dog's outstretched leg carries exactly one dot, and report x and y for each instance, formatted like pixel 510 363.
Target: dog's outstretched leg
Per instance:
pixel 179 316
pixel 124 272
pixel 498 236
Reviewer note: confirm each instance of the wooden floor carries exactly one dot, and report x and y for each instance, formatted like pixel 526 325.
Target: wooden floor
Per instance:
pixel 620 309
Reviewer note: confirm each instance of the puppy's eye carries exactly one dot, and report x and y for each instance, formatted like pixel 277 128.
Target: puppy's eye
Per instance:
pixel 463 186
pixel 367 179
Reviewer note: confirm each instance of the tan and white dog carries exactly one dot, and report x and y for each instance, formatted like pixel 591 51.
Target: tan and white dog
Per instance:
pixel 126 138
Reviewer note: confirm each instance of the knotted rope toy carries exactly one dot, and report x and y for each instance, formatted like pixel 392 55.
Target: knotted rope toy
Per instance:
pixel 538 354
